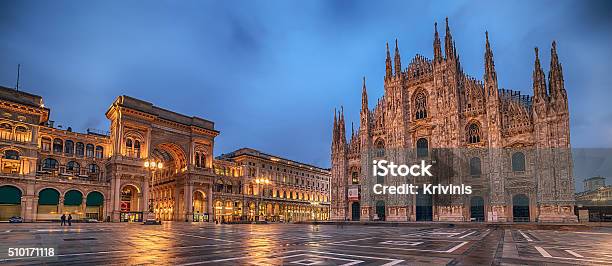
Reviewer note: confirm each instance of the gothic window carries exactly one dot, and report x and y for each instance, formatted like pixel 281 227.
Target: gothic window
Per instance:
pixel 69 147
pixel 197 159
pixel 137 148
pixel 219 186
pixel 420 106
pixel 132 147
pixel 80 149
pixel 45 144
pixel 11 155
pixel 422 148
pixel 473 133
pixel 354 177
pixel 58 146
pixel 379 148
pixel 50 164
pixel 129 147
pixel 93 168
pixel 73 167
pixel 228 188
pixel 99 152
pixel 475 170
pixel 518 162
pixel 89 150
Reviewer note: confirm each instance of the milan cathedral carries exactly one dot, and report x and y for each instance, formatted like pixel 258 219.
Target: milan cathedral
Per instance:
pixel 512 149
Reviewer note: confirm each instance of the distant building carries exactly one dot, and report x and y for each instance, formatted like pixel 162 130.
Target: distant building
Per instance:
pixel 594 183
pixel 596 199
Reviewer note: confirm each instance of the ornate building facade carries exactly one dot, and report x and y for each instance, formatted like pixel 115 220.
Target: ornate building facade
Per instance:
pixel 152 161
pixel 512 149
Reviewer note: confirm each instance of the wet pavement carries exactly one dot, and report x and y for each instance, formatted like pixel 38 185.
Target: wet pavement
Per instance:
pixel 300 244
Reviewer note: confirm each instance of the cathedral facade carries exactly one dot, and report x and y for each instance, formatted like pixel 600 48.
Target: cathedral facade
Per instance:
pixel 512 149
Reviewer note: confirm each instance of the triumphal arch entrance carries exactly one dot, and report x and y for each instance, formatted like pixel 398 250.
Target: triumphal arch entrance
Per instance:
pixel 161 163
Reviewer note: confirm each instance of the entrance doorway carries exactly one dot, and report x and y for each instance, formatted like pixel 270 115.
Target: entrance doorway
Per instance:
pixel 424 207
pixel 355 211
pixel 380 210
pixel 520 208
pixel 477 209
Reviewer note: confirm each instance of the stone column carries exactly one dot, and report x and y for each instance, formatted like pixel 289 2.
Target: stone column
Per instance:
pixel 188 202
pixel 209 204
pixel 145 197
pixel 115 201
pixel 34 210
pixel 84 207
pixel 61 205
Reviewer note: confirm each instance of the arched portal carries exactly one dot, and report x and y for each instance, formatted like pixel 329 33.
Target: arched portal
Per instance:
pixel 130 205
pixel 94 205
pixel 200 213
pixel 520 208
pixel 73 201
pixel 424 207
pixel 173 160
pixel 380 210
pixel 48 204
pixel 477 209
pixel 355 211
pixel 10 202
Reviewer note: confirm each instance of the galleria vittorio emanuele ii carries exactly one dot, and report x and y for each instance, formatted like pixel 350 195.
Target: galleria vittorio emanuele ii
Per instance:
pixel 153 163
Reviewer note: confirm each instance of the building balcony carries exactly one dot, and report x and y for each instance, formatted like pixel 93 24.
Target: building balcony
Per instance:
pixel 95 179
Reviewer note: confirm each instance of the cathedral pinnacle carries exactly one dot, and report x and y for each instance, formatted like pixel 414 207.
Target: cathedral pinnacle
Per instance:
pixel 555 75
pixel 490 73
pixel 364 96
pixel 436 44
pixel 539 81
pixel 398 61
pixel 449 45
pixel 388 69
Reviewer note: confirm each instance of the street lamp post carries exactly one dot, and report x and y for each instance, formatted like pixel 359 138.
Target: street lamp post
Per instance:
pixel 261 182
pixel 151 167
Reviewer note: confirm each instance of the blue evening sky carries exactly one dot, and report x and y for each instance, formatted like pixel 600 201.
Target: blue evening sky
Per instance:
pixel 270 73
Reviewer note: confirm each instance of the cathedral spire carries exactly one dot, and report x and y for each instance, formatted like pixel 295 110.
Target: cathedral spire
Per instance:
pixel 398 61
pixel 449 45
pixel 539 81
pixel 341 126
pixel 335 130
pixel 389 71
pixel 364 96
pixel 490 73
pixel 555 75
pixel 436 44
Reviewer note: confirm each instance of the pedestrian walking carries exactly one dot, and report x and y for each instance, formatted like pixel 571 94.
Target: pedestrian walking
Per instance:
pixel 63 220
pixel 69 219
